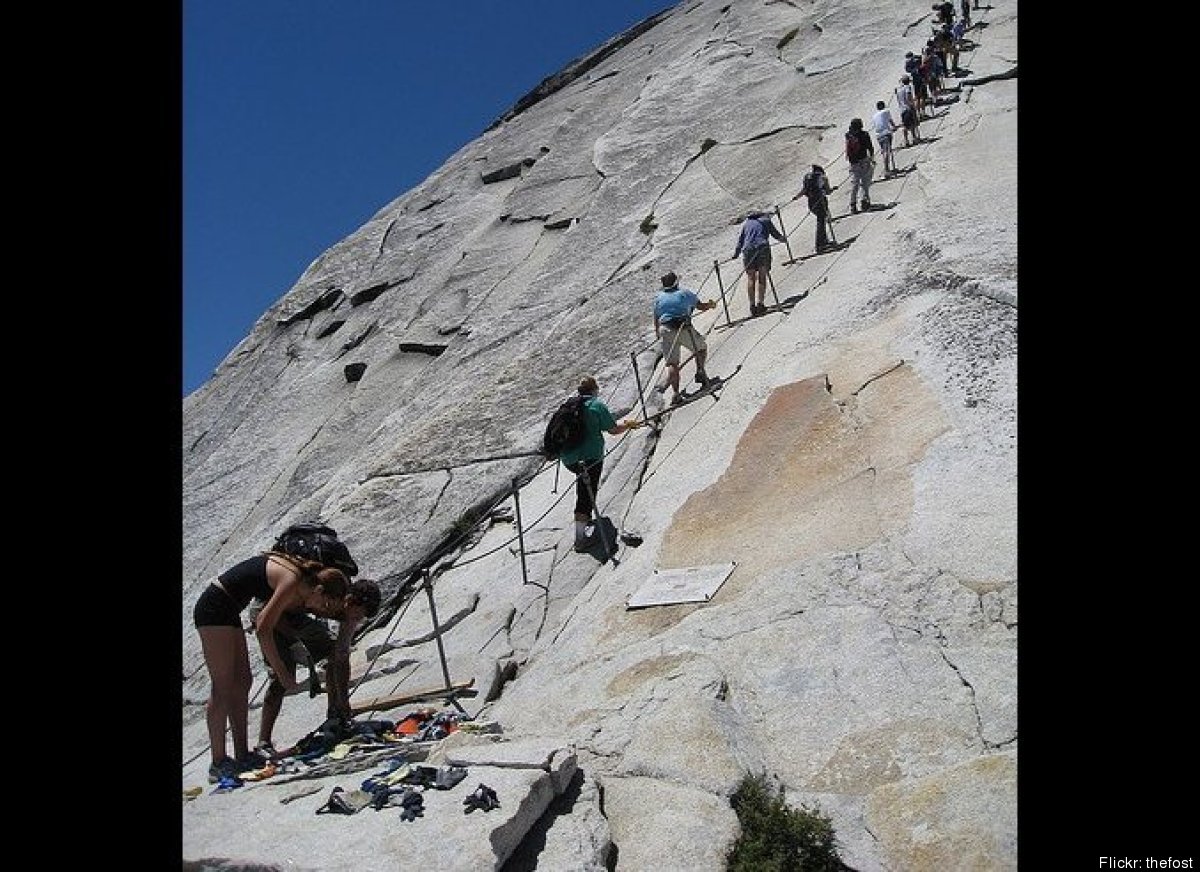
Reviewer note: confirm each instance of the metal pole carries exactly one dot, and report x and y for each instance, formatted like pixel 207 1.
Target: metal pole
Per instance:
pixel 520 533
pixel 721 285
pixel 783 230
pixel 771 282
pixel 437 630
pixel 638 377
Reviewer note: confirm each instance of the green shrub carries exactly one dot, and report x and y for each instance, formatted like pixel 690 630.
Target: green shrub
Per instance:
pixel 776 838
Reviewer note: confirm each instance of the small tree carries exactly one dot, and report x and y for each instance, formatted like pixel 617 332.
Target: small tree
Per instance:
pixel 776 838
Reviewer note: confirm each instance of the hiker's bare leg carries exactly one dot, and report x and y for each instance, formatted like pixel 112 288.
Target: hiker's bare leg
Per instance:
pixel 272 704
pixel 228 662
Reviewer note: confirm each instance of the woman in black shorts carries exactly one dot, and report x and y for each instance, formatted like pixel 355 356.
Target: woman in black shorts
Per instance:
pixel 284 583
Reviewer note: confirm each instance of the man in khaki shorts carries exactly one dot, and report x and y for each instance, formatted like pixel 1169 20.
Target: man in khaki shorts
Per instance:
pixel 673 309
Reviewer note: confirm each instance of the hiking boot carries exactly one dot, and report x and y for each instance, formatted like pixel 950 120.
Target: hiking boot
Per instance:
pixel 866 204
pixel 853 209
pixel 702 377
pixel 265 750
pixel 223 769
pixel 253 760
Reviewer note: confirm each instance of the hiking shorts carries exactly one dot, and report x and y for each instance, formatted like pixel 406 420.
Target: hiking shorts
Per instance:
pixel 682 335
pixel 216 608
pixel 757 258
pixel 908 117
pixel 884 140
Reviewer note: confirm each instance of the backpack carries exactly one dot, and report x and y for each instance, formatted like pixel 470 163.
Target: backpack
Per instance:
pixel 567 427
pixel 812 189
pixel 854 147
pixel 316 542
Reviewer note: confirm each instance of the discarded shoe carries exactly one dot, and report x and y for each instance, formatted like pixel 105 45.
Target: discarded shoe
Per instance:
pixel 345 802
pixel 228 783
pixel 482 797
pixel 448 776
pixel 397 774
pixel 414 806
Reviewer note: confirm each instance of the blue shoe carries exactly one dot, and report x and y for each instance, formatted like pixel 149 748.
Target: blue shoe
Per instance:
pixel 222 769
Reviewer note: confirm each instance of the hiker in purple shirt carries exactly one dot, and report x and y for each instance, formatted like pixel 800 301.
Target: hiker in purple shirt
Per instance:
pixel 754 245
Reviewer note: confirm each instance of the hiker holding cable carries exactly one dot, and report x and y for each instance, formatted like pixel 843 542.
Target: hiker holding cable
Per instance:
pixel 754 245
pixel 815 187
pixel 586 459
pixel 673 309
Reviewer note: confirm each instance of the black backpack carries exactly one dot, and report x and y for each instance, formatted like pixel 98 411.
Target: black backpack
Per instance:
pixel 567 427
pixel 812 188
pixel 316 542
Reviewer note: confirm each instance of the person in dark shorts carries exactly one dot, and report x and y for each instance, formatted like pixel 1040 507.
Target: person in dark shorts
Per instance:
pixel 285 584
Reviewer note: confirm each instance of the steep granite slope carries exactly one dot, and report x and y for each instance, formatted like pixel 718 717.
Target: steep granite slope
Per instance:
pixel 859 473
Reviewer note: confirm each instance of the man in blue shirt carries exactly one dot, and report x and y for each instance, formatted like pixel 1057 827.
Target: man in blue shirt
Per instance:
pixel 673 309
pixel 586 460
pixel 754 245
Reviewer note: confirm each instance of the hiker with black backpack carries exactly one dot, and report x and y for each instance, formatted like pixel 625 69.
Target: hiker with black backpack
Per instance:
pixel 860 155
pixel 285 583
pixel 816 188
pixel 586 457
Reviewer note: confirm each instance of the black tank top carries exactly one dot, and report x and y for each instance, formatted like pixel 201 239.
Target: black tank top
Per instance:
pixel 247 580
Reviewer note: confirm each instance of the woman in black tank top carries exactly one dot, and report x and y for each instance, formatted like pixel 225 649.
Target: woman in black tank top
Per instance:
pixel 286 583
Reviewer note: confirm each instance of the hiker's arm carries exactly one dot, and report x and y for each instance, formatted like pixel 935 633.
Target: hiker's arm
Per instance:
pixel 705 305
pixel 284 596
pixel 627 424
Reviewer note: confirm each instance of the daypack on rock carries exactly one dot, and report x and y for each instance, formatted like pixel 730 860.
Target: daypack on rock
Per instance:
pixel 854 147
pixel 316 542
pixel 566 429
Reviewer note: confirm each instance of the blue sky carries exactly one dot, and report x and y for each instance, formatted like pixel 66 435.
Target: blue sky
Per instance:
pixel 301 119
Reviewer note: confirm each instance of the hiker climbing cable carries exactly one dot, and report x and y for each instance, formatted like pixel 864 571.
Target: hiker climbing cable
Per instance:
pixel 284 583
pixel 816 188
pixel 586 459
pixel 673 309
pixel 860 155
pixel 754 245
pixel 885 125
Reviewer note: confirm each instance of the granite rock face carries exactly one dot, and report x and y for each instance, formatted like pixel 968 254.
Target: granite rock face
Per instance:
pixel 860 471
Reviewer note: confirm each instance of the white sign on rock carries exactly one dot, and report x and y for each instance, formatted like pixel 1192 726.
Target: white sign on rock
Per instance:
pixel 690 584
